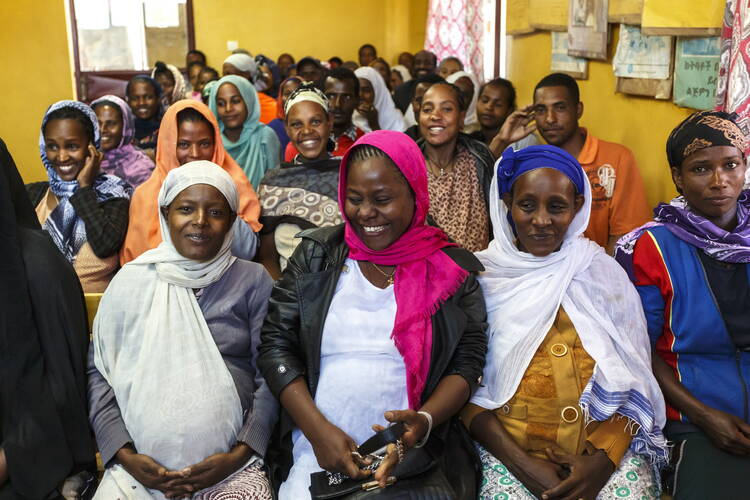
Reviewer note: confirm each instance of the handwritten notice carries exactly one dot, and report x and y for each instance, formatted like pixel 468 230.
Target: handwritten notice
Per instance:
pixel 642 56
pixel 561 62
pixel 696 70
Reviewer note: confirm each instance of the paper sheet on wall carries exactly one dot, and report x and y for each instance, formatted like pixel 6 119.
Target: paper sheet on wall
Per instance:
pixel 642 56
pixel 548 14
pixel 696 70
pixel 517 17
pixel 561 62
pixel 625 11
pixel 682 17
pixel 588 29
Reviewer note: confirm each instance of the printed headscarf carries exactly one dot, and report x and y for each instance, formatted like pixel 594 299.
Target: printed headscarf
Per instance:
pixel 703 129
pixel 307 91
pixel 66 228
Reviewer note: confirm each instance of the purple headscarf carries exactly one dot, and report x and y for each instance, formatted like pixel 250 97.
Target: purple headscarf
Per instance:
pixel 125 161
pixel 703 129
pixel 726 246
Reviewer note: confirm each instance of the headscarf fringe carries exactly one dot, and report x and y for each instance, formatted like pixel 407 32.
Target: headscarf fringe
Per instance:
pixel 427 314
pixel 650 444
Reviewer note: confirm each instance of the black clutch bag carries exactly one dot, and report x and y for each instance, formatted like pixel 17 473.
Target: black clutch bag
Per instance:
pixel 417 477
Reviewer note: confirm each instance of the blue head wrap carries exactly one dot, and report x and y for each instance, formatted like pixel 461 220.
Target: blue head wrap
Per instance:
pixel 513 164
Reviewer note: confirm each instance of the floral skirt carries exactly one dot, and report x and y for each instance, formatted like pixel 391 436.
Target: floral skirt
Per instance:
pixel 248 483
pixel 634 479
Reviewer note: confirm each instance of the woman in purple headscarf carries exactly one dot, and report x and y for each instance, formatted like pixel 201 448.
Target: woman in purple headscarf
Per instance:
pixel 690 266
pixel 121 157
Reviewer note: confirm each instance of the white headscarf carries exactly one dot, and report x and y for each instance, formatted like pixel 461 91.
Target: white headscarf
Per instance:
pixel 178 92
pixel 244 63
pixel 389 117
pixel 153 346
pixel 403 71
pixel 471 111
pixel 523 294
pixel 306 92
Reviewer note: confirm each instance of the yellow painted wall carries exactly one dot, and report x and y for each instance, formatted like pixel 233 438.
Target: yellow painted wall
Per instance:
pixel 641 124
pixel 322 29
pixel 37 66
pixel 36 73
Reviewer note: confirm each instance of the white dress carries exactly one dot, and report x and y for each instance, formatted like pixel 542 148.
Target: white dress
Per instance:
pixel 362 374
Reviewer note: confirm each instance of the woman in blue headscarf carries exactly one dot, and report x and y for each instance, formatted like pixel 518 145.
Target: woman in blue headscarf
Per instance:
pixel 569 407
pixel 84 210
pixel 253 146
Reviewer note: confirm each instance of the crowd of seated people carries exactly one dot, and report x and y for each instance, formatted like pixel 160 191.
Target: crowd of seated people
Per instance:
pixel 351 279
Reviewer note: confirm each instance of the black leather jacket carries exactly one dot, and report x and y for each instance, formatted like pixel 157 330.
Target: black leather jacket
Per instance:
pixel 292 332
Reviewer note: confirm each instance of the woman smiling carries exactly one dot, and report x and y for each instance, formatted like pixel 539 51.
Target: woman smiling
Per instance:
pixel 301 194
pixel 568 407
pixel 84 210
pixel 189 132
pixel 175 395
pixel 459 169
pixel 253 146
pixel 121 157
pixel 374 321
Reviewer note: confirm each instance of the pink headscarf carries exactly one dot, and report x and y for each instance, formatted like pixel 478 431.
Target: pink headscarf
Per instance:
pixel 425 276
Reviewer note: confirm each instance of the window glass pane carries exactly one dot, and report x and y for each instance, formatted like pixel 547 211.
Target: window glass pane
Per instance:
pixel 161 14
pixel 130 34
pixel 169 43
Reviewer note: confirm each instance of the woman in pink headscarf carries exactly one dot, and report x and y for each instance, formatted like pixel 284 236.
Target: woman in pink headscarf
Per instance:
pixel 376 321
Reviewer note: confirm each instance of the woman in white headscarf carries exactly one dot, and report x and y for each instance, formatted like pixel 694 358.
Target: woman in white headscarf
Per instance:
pixel 174 393
pixel 469 86
pixel 399 74
pixel 569 407
pixel 171 81
pixel 376 110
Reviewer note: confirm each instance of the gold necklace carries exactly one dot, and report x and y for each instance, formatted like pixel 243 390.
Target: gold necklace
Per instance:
pixel 389 277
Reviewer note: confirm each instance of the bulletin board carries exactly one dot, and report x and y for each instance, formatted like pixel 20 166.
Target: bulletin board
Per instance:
pixel 625 11
pixel 682 17
pixel 549 14
pixel 517 18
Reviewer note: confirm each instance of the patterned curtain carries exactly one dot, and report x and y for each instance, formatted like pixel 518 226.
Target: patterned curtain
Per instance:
pixel 455 28
pixel 733 88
